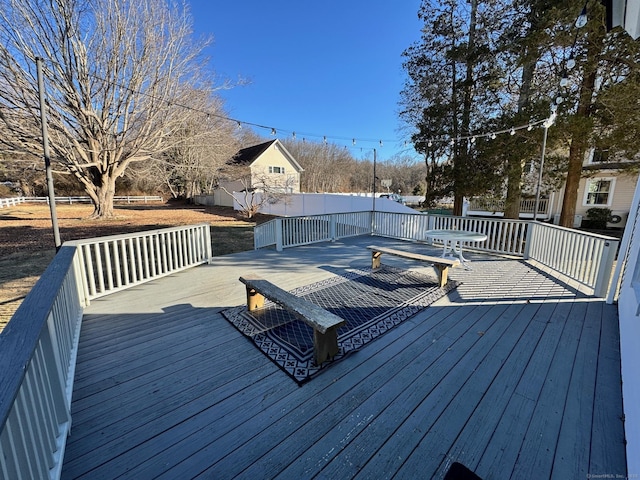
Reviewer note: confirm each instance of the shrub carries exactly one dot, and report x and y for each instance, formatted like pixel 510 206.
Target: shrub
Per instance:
pixel 598 217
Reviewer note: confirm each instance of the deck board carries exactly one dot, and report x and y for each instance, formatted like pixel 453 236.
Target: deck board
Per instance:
pixel 512 373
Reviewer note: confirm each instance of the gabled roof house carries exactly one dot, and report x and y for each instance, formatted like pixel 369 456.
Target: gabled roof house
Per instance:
pixel 267 166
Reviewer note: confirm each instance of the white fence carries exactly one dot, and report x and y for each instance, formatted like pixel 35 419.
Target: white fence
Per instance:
pixel 38 346
pixel 10 202
pixel 5 202
pixel 582 257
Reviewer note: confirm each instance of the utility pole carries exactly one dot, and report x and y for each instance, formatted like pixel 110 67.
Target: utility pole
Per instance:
pixel 47 159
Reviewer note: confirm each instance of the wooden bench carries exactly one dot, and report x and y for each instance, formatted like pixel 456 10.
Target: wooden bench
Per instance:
pixel 441 264
pixel 325 324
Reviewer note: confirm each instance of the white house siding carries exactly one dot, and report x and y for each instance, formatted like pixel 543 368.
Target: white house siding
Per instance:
pixel 623 190
pixel 629 309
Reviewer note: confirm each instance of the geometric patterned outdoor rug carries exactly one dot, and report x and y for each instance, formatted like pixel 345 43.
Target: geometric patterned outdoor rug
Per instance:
pixel 371 302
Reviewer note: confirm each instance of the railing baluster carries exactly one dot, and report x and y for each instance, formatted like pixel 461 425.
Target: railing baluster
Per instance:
pixel 88 259
pixel 99 267
pixel 117 259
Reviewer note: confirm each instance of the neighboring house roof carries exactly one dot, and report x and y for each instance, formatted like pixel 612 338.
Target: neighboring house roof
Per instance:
pixel 246 156
pixel 610 165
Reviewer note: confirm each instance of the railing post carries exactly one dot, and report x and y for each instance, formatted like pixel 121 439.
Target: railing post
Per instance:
pixel 333 227
pixel 527 240
pixel 207 241
pixel 279 234
pixel 605 269
pixel 431 222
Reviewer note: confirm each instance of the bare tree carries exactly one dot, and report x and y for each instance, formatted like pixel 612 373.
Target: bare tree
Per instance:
pixel 200 148
pixel 264 191
pixel 118 75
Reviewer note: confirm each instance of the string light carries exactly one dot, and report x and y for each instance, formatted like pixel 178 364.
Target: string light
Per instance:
pixel 274 132
pixel 581 21
pixel 564 80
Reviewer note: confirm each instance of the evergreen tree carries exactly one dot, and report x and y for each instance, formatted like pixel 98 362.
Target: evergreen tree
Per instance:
pixel 450 90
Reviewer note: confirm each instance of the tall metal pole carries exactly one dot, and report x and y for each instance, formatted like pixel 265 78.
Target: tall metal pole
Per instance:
pixel 374 179
pixel 544 147
pixel 47 159
pixel 548 122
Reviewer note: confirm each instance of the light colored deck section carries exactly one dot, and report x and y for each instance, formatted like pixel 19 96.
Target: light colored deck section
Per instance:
pixel 513 374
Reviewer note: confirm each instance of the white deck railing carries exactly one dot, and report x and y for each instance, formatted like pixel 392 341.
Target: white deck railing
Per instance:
pixel 582 257
pixel 492 205
pixel 37 352
pixel 586 258
pixel 122 261
pixel 38 346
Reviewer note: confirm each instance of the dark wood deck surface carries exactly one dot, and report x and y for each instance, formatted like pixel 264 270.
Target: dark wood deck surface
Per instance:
pixel 514 374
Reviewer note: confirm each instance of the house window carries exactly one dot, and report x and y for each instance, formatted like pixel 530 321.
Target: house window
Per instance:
pixel 599 191
pixel 598 155
pixel 276 170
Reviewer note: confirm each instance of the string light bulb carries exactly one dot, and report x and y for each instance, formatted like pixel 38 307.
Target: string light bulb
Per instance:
pixel 473 139
pixel 273 131
pixel 353 142
pixel 512 131
pixel 564 80
pixel 581 21
pixel 430 144
pixel 529 128
pixel 294 135
pixel 571 62
pixel 493 136
pixel 381 143
pixel 239 126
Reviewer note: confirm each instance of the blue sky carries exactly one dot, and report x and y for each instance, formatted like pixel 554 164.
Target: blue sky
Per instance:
pixel 329 68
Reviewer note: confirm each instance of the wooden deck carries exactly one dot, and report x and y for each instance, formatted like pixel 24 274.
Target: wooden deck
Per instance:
pixel 514 374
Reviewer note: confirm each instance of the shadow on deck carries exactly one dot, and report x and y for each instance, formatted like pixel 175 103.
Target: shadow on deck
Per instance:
pixel 514 374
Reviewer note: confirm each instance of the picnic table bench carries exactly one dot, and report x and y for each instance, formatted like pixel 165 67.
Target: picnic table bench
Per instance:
pixel 440 264
pixel 325 324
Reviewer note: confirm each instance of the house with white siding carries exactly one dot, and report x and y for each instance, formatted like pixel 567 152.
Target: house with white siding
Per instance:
pixel 604 184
